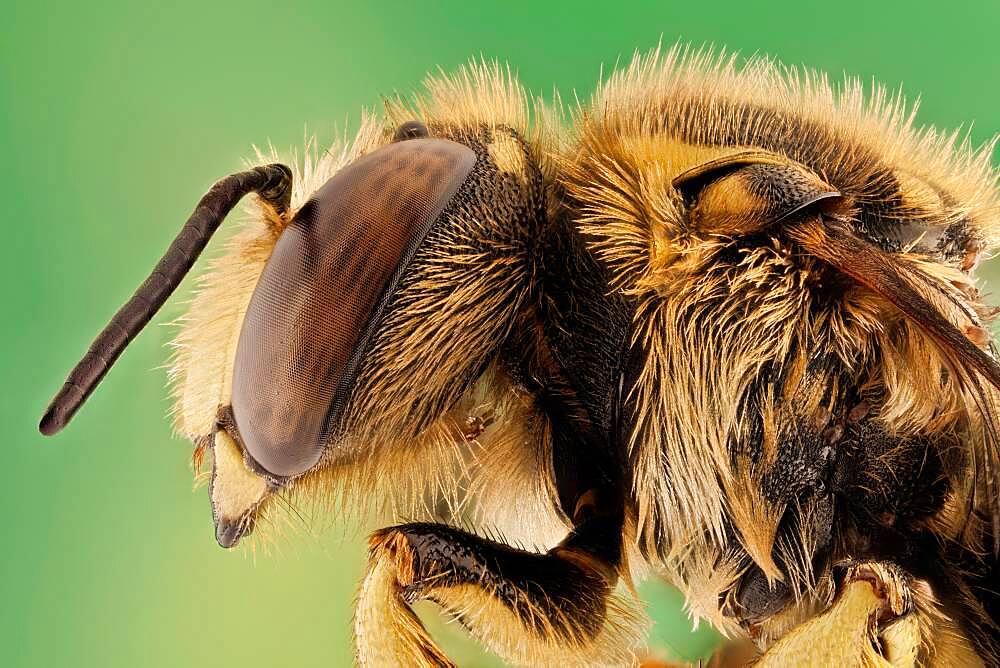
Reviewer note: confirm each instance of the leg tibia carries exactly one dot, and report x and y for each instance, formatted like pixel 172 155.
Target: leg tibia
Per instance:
pixel 557 608
pixel 387 632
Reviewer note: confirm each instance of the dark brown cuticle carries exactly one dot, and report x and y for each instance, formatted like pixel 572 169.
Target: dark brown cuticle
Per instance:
pixel 274 184
pixel 411 130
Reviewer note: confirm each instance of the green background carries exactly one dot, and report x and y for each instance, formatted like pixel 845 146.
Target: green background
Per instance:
pixel 115 117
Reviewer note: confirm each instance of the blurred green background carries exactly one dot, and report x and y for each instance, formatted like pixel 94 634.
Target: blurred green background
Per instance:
pixel 115 117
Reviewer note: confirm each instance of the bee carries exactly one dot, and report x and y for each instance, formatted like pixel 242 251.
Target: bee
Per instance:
pixel 719 324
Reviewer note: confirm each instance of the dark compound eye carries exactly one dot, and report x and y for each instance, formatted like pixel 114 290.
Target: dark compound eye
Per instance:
pixel 320 295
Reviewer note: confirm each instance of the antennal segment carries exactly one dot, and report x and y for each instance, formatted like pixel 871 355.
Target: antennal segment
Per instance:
pixel 274 185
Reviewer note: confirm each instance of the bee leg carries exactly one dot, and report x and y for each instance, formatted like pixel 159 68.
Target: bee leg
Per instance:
pixel 553 608
pixel 873 621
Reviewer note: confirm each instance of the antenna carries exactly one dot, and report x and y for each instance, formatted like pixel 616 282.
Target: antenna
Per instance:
pixel 274 185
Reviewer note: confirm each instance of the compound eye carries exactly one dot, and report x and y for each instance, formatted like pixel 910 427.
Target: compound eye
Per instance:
pixel 321 295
